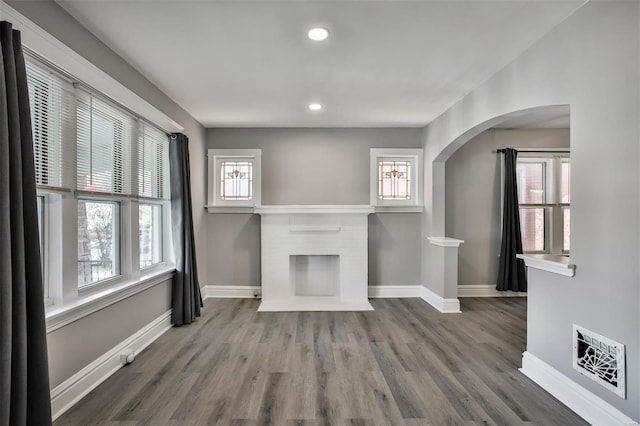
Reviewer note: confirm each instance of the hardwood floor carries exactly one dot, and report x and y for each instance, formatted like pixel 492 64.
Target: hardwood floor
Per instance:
pixel 403 364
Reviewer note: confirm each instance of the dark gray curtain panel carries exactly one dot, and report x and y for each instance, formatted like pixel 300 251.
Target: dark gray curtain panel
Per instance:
pixel 24 371
pixel 186 297
pixel 511 272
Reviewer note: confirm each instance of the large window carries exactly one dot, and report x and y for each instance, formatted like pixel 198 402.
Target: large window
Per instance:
pixel 544 197
pixel 103 187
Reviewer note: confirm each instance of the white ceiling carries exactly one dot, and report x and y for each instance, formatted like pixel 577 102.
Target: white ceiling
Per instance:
pixel 386 63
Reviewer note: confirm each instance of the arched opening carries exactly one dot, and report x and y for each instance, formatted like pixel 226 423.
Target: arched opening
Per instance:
pixel 467 176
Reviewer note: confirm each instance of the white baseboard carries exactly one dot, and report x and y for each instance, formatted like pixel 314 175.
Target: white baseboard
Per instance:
pixel 394 291
pixel 230 291
pixel 488 290
pixel 446 306
pixel 66 394
pixel 586 404
pixel 376 291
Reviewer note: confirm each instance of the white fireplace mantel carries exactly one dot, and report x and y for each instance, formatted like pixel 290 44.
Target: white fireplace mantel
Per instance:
pixel 315 209
pixel 314 257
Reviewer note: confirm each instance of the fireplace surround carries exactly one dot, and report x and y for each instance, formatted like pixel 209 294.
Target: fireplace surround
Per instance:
pixel 314 258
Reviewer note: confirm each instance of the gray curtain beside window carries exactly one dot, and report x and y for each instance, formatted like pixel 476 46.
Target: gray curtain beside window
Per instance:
pixel 186 297
pixel 24 371
pixel 511 272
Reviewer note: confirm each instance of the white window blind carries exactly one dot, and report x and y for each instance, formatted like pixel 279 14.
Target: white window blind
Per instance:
pixel 105 145
pixel 51 98
pixel 153 162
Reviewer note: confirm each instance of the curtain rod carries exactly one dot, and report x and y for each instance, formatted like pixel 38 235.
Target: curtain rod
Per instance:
pixel 560 151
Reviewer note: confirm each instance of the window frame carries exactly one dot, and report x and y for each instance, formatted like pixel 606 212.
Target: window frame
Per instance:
pixel 215 203
pixel 553 205
pixel 121 245
pixel 412 155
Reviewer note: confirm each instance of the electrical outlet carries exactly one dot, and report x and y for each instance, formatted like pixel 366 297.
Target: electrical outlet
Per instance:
pixel 127 356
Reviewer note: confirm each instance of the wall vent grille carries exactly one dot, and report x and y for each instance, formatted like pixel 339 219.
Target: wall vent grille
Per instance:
pixel 599 358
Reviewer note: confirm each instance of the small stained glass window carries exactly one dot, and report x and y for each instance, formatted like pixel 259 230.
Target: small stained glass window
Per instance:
pixel 394 180
pixel 236 180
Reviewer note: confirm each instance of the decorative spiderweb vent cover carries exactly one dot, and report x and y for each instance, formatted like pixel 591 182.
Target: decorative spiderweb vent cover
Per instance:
pixel 600 359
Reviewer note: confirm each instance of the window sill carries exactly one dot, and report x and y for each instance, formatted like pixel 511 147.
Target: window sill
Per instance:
pixel 554 263
pixel 399 209
pixel 230 209
pixel 60 315
pixel 445 241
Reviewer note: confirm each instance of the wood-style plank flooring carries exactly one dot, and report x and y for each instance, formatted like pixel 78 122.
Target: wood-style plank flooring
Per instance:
pixel 403 364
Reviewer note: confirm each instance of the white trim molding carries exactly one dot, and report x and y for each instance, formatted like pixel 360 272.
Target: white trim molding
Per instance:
pixel 231 291
pixel 554 263
pixel 375 292
pixel 446 306
pixel 68 393
pixel 586 404
pixel 486 290
pixel 315 209
pixel 445 241
pixel 394 291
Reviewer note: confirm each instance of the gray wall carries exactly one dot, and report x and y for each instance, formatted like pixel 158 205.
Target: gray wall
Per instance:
pixel 308 166
pixel 473 190
pixel 81 342
pixel 591 62
pixel 72 347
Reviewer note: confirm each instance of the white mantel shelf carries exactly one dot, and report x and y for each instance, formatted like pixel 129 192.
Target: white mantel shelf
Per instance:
pixel 554 263
pixel 315 209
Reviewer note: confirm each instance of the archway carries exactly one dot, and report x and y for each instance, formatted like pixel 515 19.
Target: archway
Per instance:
pixel 536 117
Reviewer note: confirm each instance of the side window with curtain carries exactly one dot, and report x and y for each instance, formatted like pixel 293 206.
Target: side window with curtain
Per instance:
pixel 544 201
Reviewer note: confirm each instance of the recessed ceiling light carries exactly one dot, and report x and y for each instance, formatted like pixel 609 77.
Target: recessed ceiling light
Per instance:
pixel 315 107
pixel 318 34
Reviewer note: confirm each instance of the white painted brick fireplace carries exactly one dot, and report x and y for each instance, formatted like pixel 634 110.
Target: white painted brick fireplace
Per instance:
pixel 314 258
